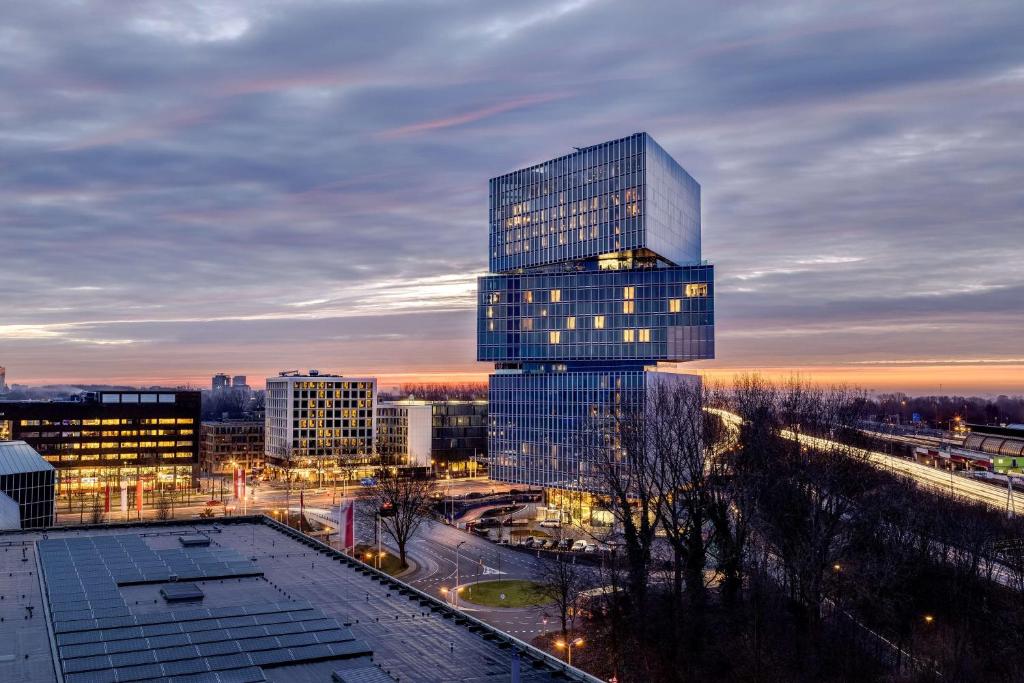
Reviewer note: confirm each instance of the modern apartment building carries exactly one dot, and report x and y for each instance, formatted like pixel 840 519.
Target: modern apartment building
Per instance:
pixel 597 279
pixel 316 422
pixel 227 444
pixel 108 437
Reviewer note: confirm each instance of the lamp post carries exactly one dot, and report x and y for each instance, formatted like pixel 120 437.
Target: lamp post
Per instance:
pixel 568 646
pixel 457 546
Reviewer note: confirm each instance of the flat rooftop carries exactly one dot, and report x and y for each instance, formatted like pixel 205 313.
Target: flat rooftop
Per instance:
pixel 263 603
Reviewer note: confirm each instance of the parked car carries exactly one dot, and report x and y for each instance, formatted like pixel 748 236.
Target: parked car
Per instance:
pixel 529 542
pixel 579 545
pixel 551 524
pixel 565 544
pixel 550 544
pixel 590 548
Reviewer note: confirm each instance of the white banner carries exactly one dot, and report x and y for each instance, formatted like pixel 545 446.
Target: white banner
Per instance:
pixel 124 496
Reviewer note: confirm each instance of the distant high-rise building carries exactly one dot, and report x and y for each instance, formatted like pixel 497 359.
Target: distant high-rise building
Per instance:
pixel 3 379
pixel 598 278
pixel 220 381
pixel 319 420
pixel 238 382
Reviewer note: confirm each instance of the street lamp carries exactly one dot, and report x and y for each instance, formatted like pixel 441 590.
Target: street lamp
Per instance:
pixel 568 646
pixel 928 618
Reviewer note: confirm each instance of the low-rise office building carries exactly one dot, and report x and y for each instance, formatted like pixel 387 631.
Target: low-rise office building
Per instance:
pixel 107 438
pixel 227 444
pixel 404 433
pixel 448 436
pixel 316 423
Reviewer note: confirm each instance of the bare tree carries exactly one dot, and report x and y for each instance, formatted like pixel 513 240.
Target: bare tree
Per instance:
pixel 163 507
pixel 402 503
pixel 563 583
pixel 96 512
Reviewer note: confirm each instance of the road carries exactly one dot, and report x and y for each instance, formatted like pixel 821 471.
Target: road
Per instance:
pixel 939 480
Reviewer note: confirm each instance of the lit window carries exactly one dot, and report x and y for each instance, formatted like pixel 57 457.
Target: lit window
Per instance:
pixel 700 289
pixel 627 306
pixel 556 296
pixel 628 336
pixel 490 311
pixel 554 337
pixel 675 305
pixel 645 335
pixel 526 324
pixel 628 292
pixel 598 322
pixel 528 296
pixel 570 323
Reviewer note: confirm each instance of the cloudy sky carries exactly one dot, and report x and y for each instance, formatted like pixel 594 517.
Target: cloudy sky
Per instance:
pixel 193 187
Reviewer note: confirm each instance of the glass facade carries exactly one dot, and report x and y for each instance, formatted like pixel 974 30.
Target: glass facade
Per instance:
pixel 620 196
pixel 641 314
pixel 598 277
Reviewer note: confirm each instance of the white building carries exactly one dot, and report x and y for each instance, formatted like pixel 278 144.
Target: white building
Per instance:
pixel 406 431
pixel 318 420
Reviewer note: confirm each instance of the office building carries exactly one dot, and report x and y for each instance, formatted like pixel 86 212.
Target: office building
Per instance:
pixel 108 437
pixel 26 487
pixel 239 382
pixel 597 279
pixel 220 381
pixel 459 438
pixel 3 380
pixel 228 444
pixel 404 433
pixel 448 436
pixel 319 421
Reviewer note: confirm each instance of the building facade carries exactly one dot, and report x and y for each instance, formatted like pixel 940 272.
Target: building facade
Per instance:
pixel 108 437
pixel 317 421
pixel 597 279
pixel 404 433
pixel 227 444
pixel 459 437
pixel 27 485
pixel 448 436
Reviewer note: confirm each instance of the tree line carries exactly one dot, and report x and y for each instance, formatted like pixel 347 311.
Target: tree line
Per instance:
pixel 760 544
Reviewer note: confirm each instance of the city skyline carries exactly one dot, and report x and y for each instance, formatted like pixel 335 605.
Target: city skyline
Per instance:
pixel 188 192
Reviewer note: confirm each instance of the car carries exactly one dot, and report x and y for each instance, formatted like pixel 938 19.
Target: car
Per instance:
pixel 579 545
pixel 529 542
pixel 550 544
pixel 551 524
pixel 590 548
pixel 367 481
pixel 565 544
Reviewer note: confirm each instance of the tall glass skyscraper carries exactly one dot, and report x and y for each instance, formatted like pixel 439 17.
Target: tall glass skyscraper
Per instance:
pixel 598 278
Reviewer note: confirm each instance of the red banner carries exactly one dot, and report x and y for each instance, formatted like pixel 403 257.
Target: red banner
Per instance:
pixel 106 498
pixel 138 495
pixel 234 481
pixel 347 525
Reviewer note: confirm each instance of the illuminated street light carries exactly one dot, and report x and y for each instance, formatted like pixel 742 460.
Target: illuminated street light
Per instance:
pixel 561 644
pixel 928 618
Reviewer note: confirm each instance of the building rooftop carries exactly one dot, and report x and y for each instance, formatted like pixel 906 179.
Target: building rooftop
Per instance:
pixel 261 602
pixel 17 457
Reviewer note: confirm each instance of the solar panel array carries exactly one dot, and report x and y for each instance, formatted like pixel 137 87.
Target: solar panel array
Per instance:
pixel 99 640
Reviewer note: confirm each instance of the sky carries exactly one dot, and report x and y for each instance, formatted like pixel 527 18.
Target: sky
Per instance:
pixel 195 187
